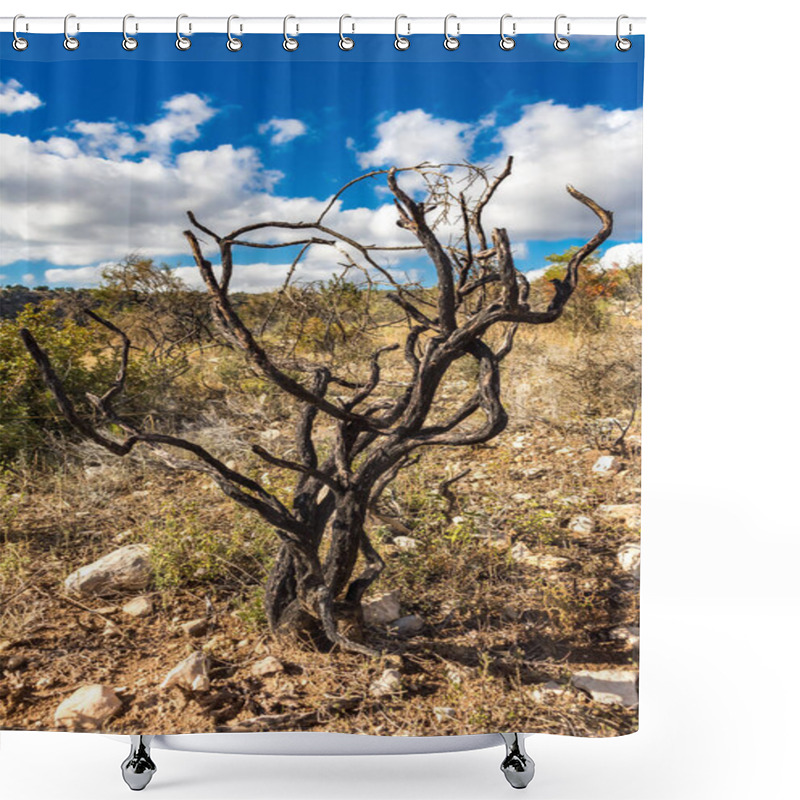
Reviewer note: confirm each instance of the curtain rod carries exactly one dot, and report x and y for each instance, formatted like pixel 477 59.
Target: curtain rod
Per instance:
pixel 408 25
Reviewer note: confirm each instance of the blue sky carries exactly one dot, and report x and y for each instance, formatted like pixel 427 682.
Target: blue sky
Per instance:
pixel 102 151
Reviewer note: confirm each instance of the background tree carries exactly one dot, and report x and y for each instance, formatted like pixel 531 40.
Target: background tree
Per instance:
pixel 378 424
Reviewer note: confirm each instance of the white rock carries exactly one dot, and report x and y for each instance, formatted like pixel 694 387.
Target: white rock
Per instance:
pixel 521 497
pixel 605 464
pixel 195 627
pixel 191 674
pixel 522 554
pixel 389 683
pixel 126 568
pixel 405 543
pixel 548 690
pixel 626 633
pixel 444 712
pixel 408 626
pixel 267 666
pixel 609 686
pixel 581 524
pixel 630 558
pixel 270 434
pixel 458 520
pixel 88 708
pixel 628 514
pixel 138 607
pixel 381 610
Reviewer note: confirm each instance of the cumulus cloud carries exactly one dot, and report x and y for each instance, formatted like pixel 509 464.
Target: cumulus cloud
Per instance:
pixel 78 277
pixel 622 255
pixel 284 130
pixel 411 137
pixel 183 116
pixel 13 98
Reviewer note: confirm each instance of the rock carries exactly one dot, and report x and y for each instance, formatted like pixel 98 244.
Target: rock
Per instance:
pixel 444 712
pixel 405 543
pixel 522 554
pixel 138 607
pixel 389 683
pixel 126 568
pixel 408 626
pixel 628 514
pixel 626 633
pixel 88 708
pixel 270 434
pixel 16 663
pixel 381 610
pixel 267 666
pixel 546 691
pixel 521 497
pixel 605 465
pixel 454 676
pixel 191 674
pixel 581 524
pixel 609 686
pixel 630 558
pixel 195 627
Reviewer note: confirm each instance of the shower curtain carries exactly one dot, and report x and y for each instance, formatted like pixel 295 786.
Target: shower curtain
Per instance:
pixel 320 375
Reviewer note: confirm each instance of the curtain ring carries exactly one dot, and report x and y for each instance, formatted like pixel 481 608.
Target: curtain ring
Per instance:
pixel 289 43
pixel 560 42
pixel 506 42
pixel 19 43
pixel 70 42
pixel 451 42
pixel 181 42
pixel 345 42
pixel 128 42
pixel 623 44
pixel 233 44
pixel 401 42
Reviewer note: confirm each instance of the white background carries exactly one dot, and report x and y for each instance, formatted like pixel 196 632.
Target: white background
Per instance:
pixel 720 603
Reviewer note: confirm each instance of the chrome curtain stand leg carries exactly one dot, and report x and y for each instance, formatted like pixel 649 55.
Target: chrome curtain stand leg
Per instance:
pixel 138 768
pixel 517 766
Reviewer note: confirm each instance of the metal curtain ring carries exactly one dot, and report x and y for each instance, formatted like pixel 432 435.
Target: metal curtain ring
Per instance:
pixel 233 44
pixel 19 43
pixel 622 43
pixel 400 42
pixel 506 42
pixel 289 43
pixel 451 42
pixel 128 42
pixel 181 42
pixel 70 42
pixel 560 42
pixel 345 42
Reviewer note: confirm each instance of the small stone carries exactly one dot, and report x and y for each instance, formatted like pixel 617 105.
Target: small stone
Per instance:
pixel 521 497
pixel 389 683
pixel 581 524
pixel 16 663
pixel 381 610
pixel 522 554
pixel 458 520
pixel 630 558
pixel 444 712
pixel 138 607
pixel 408 626
pixel 267 666
pixel 195 627
pixel 605 465
pixel 126 568
pixel 627 514
pixel 111 629
pixel 270 434
pixel 548 690
pixel 454 676
pixel 215 643
pixel 88 708
pixel 405 543
pixel 191 674
pixel 626 633
pixel 609 686
pixel 230 464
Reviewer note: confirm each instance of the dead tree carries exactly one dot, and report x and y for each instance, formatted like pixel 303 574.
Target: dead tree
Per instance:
pixel 376 431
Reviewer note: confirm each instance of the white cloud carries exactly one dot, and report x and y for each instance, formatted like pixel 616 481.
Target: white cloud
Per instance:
pixel 14 99
pixel 79 277
pixel 184 114
pixel 596 150
pixel 622 255
pixel 285 130
pixel 29 279
pixel 411 137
